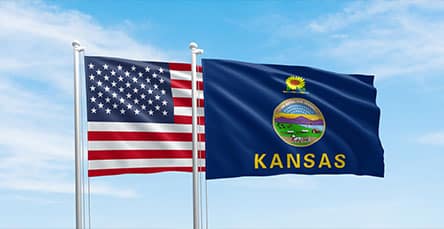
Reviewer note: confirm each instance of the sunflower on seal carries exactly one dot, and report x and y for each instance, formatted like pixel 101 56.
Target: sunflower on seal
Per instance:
pixel 295 83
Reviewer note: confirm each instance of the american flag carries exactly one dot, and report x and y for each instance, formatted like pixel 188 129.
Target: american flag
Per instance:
pixel 139 116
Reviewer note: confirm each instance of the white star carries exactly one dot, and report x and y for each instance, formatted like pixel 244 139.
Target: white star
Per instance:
pixel 143 107
pixel 157 107
pixel 93 110
pixel 136 101
pixel 164 102
pixel 127 73
pixel 147 69
pixel 135 90
pixel 140 74
pixel 113 83
pixel 99 83
pixel 93 99
pixel 161 80
pixel 114 95
pixel 150 91
pixel 154 75
pixel 113 73
pixel 122 111
pixel 151 112
pixel 92 88
pixel 136 111
pixel 142 96
pixel 165 113
pixel 161 70
pixel 91 66
pixel 121 89
pixel 122 100
pixel 106 88
pixel 150 101
pixel 148 80
pixel 129 106
pixel 91 77
pixel 120 78
pixel 108 111
pixel 119 67
pixel 155 86
pixel 163 92
pixel 142 86
pixel 99 72
pixel 128 95
pixel 115 106
pixel 133 68
pixel 128 84
pixel 100 94
pixel 100 105
pixel 106 77
pixel 157 97
pixel 105 66
pixel 134 79
pixel 108 99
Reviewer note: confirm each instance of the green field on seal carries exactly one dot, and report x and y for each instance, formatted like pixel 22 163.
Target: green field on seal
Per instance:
pixel 291 129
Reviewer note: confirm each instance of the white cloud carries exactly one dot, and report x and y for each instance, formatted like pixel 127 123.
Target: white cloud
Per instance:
pixel 39 37
pixel 436 138
pixel 281 182
pixel 353 13
pixel 45 183
pixel 387 38
pixel 363 11
pixel 36 92
pixel 105 189
pixel 35 200
pixel 384 38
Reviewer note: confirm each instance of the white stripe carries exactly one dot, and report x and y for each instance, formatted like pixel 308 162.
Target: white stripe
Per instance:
pixel 185 93
pixel 142 163
pixel 142 145
pixel 187 111
pixel 142 127
pixel 184 75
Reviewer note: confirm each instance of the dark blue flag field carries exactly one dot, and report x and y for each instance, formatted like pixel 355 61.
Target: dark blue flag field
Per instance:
pixel 263 120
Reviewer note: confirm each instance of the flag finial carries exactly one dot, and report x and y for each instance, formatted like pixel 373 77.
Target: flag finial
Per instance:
pixel 76 45
pixel 192 45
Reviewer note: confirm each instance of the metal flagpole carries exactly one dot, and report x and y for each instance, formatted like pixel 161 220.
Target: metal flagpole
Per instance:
pixel 194 52
pixel 77 145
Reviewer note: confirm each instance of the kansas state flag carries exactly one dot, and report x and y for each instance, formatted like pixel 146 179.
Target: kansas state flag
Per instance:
pixel 263 119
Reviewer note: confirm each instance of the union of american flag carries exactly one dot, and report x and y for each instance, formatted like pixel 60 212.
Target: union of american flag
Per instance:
pixel 139 116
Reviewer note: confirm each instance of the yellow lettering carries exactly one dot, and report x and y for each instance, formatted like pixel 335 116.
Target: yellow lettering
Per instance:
pixel 258 161
pixel 291 161
pixel 276 161
pixel 340 161
pixel 324 161
pixel 309 162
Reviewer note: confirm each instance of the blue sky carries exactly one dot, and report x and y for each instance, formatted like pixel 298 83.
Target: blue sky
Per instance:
pixel 398 41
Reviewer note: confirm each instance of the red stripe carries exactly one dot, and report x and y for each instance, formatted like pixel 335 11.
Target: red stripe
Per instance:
pixel 140 136
pixel 185 84
pixel 186 102
pixel 108 172
pixel 180 119
pixel 140 154
pixel 183 67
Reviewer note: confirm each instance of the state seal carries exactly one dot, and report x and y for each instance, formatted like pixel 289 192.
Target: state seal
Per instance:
pixel 298 122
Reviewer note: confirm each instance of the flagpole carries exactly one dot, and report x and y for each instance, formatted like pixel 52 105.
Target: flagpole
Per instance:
pixel 77 146
pixel 194 52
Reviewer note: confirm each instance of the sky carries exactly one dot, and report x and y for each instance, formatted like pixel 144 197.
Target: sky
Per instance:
pixel 400 42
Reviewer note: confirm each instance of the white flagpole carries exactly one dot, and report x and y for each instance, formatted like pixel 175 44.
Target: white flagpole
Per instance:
pixel 194 52
pixel 77 145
